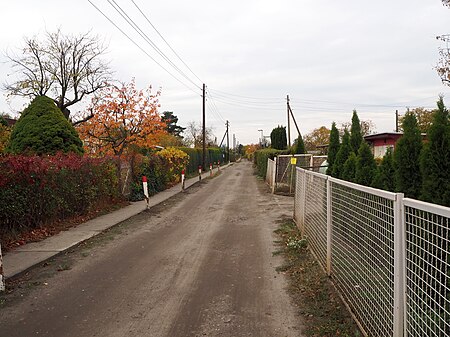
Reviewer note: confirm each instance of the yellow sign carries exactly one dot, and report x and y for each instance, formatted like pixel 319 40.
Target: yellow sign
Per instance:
pixel 293 161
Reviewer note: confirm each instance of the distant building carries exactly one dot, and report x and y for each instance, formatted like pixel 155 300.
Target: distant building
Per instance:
pixel 381 142
pixel 10 121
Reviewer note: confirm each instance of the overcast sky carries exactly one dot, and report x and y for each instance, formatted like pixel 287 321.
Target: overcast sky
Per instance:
pixel 330 56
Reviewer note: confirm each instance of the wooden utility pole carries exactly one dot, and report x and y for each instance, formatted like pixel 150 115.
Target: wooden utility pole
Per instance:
pixel 228 142
pixel 288 123
pixel 396 120
pixel 204 129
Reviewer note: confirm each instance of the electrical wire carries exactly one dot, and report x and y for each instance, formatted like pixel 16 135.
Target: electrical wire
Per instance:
pixel 142 49
pixel 136 27
pixel 167 43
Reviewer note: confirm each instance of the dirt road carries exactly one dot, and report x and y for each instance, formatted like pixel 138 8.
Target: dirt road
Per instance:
pixel 200 265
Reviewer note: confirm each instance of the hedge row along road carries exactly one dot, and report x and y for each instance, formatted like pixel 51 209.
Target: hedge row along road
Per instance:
pixel 199 265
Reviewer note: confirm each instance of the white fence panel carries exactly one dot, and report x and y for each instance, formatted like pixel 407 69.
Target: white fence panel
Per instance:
pixel 362 258
pixel 315 214
pixel 427 274
pixel 389 257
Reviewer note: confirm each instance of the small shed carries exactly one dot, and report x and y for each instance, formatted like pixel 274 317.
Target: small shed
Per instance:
pixel 381 142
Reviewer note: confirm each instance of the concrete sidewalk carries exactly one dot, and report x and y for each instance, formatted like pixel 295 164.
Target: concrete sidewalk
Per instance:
pixel 21 259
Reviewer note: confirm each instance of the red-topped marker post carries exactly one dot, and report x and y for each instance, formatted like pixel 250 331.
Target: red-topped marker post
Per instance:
pixel 199 172
pixel 145 187
pixel 210 169
pixel 182 180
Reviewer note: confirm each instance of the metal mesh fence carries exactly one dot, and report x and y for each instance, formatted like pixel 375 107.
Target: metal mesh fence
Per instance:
pixel 363 254
pixel 427 248
pixel 389 257
pixel 299 199
pixel 316 214
pixel 286 171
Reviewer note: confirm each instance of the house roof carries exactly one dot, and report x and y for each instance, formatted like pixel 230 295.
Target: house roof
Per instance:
pixel 393 134
pixel 384 135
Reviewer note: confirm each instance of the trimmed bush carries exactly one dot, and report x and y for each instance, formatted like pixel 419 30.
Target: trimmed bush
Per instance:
pixel 38 190
pixel 261 157
pixel 213 155
pixel 43 129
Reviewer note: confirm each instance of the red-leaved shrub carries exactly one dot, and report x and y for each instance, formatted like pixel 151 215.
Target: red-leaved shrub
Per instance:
pixel 35 190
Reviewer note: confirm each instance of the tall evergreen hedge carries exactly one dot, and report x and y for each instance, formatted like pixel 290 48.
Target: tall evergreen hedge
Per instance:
pixel 435 159
pixel 408 178
pixel 278 138
pixel 333 148
pixel 344 152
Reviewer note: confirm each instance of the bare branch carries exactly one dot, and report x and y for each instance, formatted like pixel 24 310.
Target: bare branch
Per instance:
pixel 66 68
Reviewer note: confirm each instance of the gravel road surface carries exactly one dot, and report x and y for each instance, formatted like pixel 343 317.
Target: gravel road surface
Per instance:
pixel 201 264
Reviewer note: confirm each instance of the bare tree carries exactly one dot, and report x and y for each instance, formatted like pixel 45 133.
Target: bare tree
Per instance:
pixel 65 68
pixel 193 135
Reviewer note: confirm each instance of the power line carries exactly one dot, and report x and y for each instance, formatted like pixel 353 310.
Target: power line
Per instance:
pixel 142 49
pixel 167 43
pixel 136 27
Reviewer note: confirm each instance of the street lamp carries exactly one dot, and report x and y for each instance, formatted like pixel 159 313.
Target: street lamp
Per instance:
pixel 261 140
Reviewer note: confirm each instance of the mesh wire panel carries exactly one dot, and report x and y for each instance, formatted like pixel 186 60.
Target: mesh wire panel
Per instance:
pixel 299 198
pixel 427 269
pixel 315 226
pixel 363 254
pixel 285 169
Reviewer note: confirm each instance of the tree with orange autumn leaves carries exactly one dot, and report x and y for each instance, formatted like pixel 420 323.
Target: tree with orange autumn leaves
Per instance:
pixel 123 117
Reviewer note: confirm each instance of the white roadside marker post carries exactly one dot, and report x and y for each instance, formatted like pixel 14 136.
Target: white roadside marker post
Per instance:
pixel 199 172
pixel 210 169
pixel 145 187
pixel 2 278
pixel 182 180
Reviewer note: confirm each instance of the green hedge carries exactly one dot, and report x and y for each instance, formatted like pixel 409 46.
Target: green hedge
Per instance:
pixel 38 190
pixel 260 159
pixel 213 155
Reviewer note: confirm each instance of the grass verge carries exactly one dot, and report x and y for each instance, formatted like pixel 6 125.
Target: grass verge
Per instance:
pixel 324 313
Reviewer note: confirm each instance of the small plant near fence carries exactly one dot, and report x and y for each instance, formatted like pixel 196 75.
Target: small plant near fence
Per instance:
pixel 323 312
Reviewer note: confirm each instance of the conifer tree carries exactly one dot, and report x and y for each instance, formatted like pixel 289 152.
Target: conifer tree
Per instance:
pixel 43 129
pixel 333 148
pixel 349 170
pixel 356 137
pixel 299 146
pixel 278 138
pixel 365 165
pixel 384 177
pixel 408 179
pixel 342 156
pixel 435 159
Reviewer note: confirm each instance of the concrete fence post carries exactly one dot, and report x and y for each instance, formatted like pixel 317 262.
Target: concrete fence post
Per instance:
pixel 329 226
pixel 2 278
pixel 399 266
pixel 274 174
